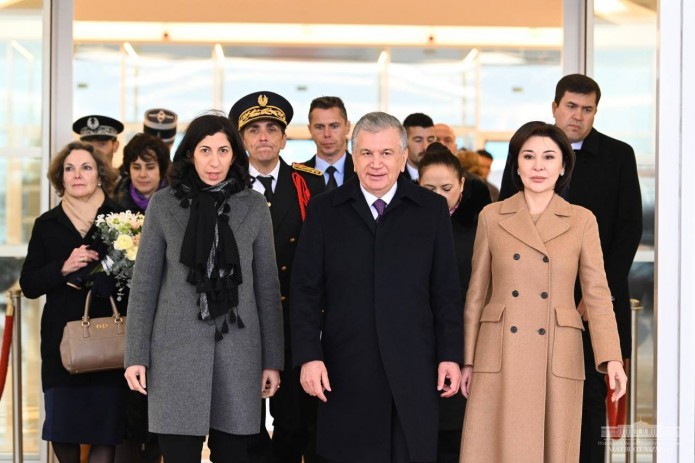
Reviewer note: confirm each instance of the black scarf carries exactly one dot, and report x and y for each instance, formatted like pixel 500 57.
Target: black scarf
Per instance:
pixel 210 251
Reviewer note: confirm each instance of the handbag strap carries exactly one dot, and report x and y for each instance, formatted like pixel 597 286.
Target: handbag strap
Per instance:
pixel 88 302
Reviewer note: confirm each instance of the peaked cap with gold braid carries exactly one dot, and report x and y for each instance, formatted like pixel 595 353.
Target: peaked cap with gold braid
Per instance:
pixel 261 105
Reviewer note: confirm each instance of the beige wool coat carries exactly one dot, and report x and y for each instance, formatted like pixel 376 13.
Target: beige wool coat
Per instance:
pixel 522 331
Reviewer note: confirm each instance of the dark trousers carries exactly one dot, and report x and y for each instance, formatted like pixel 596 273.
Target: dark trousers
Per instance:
pixel 289 446
pixel 593 444
pixel 449 446
pixel 399 447
pixel 224 448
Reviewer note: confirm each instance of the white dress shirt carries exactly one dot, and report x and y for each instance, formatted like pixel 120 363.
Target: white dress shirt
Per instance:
pixel 258 186
pixel 371 198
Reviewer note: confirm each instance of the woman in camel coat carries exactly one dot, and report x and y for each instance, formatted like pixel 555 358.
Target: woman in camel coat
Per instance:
pixel 523 356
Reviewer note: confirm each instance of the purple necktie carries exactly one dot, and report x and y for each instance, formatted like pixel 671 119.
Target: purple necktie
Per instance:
pixel 380 206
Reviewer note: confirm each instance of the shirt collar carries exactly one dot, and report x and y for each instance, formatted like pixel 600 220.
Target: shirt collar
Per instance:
pixel 414 174
pixel 339 164
pixel 387 197
pixel 253 172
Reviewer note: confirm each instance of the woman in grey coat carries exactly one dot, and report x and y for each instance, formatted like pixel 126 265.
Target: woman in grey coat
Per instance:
pixel 204 338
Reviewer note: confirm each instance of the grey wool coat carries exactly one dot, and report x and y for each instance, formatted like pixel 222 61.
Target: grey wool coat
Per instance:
pixel 193 382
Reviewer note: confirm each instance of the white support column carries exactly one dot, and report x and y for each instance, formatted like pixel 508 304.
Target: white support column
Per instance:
pixel 578 36
pixel 675 234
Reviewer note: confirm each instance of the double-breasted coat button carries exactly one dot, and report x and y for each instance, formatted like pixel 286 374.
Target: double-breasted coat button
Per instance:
pixel 517 256
pixel 541 331
pixel 513 329
pixel 515 293
pixel 283 268
pixel 545 259
pixel 544 295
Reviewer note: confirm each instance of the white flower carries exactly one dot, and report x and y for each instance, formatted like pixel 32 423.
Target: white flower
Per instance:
pixel 123 242
pixel 131 253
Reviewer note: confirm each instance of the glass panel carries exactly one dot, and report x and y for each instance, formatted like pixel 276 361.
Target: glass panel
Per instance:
pixel 625 51
pixel 21 61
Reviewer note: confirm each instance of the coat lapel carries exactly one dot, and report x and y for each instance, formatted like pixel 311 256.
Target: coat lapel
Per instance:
pixel 553 222
pixel 350 192
pixel 519 223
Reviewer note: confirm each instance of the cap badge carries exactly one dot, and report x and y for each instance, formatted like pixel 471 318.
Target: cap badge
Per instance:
pixel 161 116
pixel 93 123
pixel 262 100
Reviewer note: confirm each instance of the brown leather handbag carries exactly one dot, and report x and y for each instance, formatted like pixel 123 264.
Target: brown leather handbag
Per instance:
pixel 93 344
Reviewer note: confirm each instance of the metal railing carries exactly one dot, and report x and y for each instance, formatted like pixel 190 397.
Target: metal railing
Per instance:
pixel 14 310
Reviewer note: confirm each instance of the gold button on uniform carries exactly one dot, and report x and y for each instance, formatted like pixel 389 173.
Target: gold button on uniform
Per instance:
pixel 283 268
pixel 293 239
pixel 283 298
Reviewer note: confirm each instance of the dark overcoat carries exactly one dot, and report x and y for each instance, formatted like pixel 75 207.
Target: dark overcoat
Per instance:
pixel 52 240
pixel 393 312
pixel 290 406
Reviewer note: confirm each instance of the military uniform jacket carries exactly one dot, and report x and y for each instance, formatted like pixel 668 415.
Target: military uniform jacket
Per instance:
pixel 392 313
pixel 523 333
pixel 291 407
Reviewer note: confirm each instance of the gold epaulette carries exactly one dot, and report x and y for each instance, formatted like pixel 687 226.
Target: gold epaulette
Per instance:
pixel 307 169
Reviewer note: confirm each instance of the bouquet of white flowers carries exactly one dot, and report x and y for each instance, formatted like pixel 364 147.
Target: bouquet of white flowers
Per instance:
pixel 120 232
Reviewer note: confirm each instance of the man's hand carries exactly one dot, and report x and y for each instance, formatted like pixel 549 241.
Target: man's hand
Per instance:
pixel 270 383
pixel 314 379
pixel 452 372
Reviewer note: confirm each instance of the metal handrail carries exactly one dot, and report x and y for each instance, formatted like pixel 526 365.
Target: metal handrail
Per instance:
pixel 14 308
pixel 631 441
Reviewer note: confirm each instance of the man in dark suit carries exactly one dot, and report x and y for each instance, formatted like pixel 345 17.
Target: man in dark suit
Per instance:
pixel 605 181
pixel 262 118
pixel 329 127
pixel 377 254
pixel 419 128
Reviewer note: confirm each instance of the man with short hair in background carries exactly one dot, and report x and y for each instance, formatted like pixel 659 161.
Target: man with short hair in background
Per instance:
pixel 329 128
pixel 485 161
pixel 605 181
pixel 446 136
pixel 419 128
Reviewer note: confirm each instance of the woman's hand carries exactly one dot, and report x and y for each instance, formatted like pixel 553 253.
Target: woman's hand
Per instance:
pixel 270 383
pixel 136 375
pixel 79 258
pixel 466 380
pixel 616 374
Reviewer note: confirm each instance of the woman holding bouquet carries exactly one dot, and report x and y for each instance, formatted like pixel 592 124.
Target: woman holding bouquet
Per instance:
pixel 145 164
pixel 205 336
pixel 84 408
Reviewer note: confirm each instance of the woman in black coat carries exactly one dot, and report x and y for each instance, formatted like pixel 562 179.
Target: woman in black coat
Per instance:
pixel 440 171
pixel 145 165
pixel 83 408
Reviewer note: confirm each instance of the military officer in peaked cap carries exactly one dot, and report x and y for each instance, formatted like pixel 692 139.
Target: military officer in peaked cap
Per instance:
pixel 99 131
pixel 161 123
pixel 262 118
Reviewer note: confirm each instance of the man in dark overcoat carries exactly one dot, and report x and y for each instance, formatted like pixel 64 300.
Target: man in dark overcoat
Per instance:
pixel 605 181
pixel 262 118
pixel 377 253
pixel 329 128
